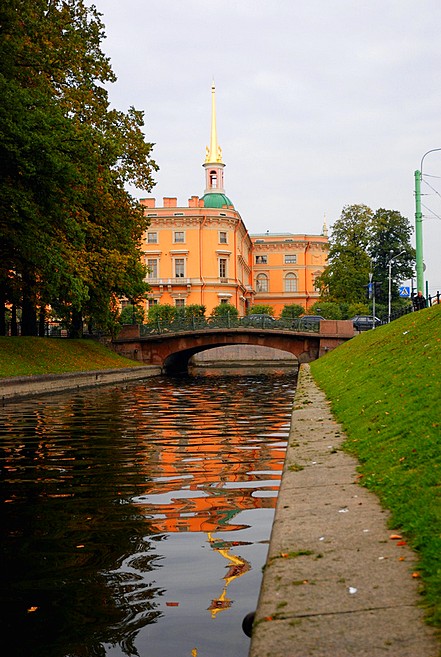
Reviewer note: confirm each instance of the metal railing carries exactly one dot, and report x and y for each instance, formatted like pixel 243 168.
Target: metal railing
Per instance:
pixel 228 322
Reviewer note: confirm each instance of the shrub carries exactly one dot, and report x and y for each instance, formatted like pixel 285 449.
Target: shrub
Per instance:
pixel 261 309
pixel 292 310
pixel 224 309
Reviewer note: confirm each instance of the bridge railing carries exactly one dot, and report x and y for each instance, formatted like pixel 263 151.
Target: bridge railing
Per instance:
pixel 182 325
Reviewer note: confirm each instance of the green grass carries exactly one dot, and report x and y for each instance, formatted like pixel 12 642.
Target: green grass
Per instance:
pixel 385 389
pixel 28 356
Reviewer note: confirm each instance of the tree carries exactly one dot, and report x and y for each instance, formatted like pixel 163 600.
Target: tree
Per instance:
pixel 361 244
pixel 70 231
pixel 225 309
pixel 161 312
pixel 193 311
pixel 131 314
pixel 390 242
pixel 348 262
pixel 327 309
pixel 291 310
pixel 262 309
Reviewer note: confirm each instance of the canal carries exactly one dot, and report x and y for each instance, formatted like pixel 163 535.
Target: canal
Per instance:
pixel 135 520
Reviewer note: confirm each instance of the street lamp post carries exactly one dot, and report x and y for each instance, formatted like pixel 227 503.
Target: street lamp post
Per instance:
pixel 391 260
pixel 419 224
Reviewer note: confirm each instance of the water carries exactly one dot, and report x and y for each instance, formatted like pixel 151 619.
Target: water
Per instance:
pixel 136 520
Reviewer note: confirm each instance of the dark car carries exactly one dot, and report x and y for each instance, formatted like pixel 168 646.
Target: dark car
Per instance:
pixel 307 322
pixel 364 322
pixel 258 321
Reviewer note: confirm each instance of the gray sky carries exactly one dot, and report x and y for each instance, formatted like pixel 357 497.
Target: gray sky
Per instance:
pixel 320 103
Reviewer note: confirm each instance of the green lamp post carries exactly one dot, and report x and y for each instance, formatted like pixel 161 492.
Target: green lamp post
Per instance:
pixel 419 224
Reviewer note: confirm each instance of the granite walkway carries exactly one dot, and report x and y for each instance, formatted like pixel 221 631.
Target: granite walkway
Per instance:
pixel 337 582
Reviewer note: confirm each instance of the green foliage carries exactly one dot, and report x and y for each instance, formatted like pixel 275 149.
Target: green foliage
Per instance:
pixel 132 315
pixel 161 312
pixel 363 242
pixel 261 309
pixel 327 309
pixel 70 230
pixel 390 237
pixel 384 387
pixel 194 310
pixel 291 310
pixel 358 309
pixel 224 309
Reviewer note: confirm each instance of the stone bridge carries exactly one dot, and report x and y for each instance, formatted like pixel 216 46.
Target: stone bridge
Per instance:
pixel 172 351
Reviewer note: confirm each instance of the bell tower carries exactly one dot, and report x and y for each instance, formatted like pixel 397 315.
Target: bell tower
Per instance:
pixel 213 165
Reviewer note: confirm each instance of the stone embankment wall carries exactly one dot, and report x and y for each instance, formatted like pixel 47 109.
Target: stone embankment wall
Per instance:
pixel 15 388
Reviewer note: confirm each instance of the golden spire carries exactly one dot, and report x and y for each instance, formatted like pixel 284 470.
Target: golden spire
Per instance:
pixel 325 227
pixel 214 153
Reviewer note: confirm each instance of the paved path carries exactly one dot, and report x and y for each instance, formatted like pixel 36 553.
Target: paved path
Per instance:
pixel 336 584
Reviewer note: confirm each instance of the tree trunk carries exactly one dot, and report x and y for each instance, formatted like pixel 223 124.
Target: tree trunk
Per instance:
pixel 28 318
pixel 2 311
pixel 76 329
pixel 28 311
pixel 42 322
pixel 14 327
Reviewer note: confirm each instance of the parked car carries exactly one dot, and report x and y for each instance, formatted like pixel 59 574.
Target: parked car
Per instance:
pixel 307 322
pixel 258 321
pixel 364 322
pixel 311 318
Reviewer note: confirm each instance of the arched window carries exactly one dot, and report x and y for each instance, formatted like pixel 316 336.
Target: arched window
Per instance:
pixel 213 179
pixel 261 283
pixel 290 283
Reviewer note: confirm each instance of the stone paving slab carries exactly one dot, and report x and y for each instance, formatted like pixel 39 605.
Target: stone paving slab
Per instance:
pixel 335 584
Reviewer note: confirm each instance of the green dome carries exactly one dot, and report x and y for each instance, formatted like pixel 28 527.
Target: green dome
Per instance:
pixel 216 200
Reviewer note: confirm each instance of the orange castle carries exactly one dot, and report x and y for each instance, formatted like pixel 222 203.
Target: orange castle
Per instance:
pixel 203 254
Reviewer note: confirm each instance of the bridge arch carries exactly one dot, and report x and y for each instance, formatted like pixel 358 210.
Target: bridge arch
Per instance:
pixel 181 361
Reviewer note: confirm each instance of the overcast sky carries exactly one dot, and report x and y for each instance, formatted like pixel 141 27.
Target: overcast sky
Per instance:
pixel 320 103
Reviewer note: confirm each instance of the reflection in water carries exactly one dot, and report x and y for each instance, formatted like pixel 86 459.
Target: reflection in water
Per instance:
pixel 127 513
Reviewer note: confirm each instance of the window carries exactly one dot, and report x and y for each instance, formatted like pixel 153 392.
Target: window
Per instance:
pixel 152 264
pixel 261 259
pixel 179 237
pixel 179 267
pixel 290 283
pixel 222 237
pixel 153 302
pixel 213 179
pixel 152 238
pixel 290 259
pixel 262 283
pixel 224 300
pixel 179 303
pixel 222 267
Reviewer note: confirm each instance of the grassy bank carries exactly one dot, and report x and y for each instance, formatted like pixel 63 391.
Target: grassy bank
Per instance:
pixel 385 388
pixel 27 356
